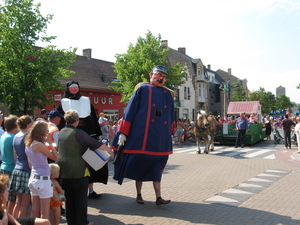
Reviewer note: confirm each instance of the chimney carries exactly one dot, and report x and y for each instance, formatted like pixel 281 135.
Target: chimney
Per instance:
pixel 229 71
pixel 182 50
pixel 164 43
pixel 208 66
pixel 87 52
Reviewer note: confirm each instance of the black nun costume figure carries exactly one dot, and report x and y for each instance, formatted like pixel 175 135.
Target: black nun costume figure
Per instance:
pixel 88 122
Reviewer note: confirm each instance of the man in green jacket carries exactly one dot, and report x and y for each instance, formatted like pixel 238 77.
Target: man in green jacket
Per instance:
pixel 72 143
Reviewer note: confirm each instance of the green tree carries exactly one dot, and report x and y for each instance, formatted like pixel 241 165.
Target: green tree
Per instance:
pixel 134 66
pixel 28 73
pixel 238 92
pixel 283 102
pixel 266 99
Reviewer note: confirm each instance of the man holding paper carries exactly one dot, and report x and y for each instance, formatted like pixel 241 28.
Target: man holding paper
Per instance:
pixel 72 143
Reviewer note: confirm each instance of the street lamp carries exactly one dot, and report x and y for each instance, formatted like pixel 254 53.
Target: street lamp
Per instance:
pixel 224 88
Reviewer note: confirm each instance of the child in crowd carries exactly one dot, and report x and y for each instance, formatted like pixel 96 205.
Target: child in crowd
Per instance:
pixel 104 130
pixel 55 200
pixel 20 176
pixel 7 153
pixel 7 218
pixel 252 119
pixel 111 132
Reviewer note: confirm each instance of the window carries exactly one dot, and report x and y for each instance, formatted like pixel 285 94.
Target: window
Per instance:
pixel 202 89
pixel 185 93
pixel 199 71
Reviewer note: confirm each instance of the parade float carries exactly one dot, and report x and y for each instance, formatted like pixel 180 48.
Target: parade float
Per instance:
pixel 226 130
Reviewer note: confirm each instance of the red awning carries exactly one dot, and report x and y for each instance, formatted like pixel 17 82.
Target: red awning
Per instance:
pixel 248 107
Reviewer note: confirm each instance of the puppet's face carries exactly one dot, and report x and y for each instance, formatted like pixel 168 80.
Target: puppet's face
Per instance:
pixel 158 78
pixel 73 89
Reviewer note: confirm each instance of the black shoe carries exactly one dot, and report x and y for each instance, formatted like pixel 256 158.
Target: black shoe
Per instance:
pixel 236 146
pixel 94 195
pixel 139 199
pixel 242 146
pixel 160 201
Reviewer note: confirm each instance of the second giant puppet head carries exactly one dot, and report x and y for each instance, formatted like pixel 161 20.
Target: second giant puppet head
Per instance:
pixel 73 90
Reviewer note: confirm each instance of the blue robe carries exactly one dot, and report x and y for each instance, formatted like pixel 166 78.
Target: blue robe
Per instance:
pixel 148 123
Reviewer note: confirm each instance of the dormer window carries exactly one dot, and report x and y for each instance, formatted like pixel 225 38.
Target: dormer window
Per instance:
pixel 199 71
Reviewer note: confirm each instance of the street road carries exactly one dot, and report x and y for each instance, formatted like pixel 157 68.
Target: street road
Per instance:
pixel 257 184
pixel 259 150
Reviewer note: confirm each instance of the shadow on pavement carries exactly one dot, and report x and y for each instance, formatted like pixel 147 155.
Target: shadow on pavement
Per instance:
pixel 197 213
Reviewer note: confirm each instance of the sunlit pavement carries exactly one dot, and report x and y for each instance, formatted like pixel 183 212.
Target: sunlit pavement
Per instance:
pixel 209 189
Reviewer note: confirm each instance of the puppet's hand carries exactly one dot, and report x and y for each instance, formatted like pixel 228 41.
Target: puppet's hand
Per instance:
pixel 122 139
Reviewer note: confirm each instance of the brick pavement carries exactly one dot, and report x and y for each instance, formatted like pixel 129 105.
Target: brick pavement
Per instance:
pixel 191 179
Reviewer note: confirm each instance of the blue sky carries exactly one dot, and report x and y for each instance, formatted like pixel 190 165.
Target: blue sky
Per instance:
pixel 259 40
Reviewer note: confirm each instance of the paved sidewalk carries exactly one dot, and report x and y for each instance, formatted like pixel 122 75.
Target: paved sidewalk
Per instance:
pixel 189 180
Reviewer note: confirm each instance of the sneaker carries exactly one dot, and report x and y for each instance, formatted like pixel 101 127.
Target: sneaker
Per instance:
pixel 94 195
